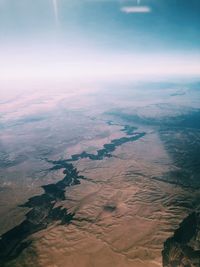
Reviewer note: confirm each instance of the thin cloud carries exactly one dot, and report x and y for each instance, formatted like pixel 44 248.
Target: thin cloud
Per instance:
pixel 136 9
pixel 55 8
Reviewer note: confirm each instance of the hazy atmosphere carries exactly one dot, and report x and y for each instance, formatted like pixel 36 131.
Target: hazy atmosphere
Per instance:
pixel 90 39
pixel 99 133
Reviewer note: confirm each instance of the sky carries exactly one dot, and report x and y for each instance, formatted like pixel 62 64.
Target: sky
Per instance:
pixel 68 39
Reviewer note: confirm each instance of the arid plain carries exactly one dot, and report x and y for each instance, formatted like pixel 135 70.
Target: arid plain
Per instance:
pixel 134 154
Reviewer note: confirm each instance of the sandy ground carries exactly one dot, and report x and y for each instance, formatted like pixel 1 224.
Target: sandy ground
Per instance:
pixel 123 215
pixel 123 211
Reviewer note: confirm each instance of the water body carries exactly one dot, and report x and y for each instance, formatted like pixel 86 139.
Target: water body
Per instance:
pixel 44 209
pixel 107 149
pixel 43 212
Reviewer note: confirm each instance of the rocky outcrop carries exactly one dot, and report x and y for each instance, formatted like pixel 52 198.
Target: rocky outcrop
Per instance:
pixel 183 248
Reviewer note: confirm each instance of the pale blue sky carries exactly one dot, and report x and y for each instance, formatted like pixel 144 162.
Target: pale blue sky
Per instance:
pixel 152 28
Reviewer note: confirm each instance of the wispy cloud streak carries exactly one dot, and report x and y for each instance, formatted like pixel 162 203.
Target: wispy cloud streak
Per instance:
pixel 55 8
pixel 136 9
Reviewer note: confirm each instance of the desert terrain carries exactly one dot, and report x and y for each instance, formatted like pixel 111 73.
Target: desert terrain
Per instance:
pixel 97 176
